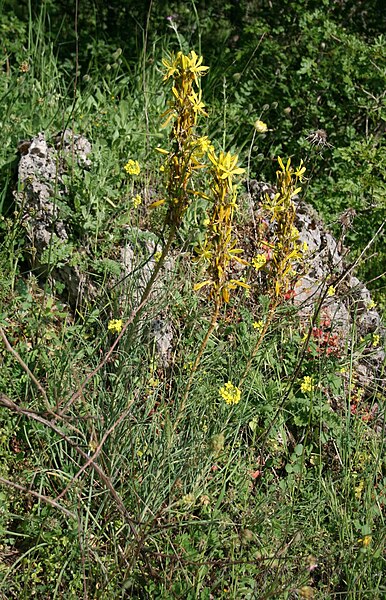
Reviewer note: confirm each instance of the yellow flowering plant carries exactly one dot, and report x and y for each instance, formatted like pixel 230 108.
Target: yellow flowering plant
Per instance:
pixel 287 250
pixel 188 149
pixel 219 249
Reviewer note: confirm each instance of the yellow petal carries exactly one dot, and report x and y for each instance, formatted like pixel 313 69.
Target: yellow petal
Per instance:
pixel 198 286
pixel 157 203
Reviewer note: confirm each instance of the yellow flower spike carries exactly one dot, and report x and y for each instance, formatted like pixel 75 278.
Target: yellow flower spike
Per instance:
pixel 376 340
pixel 136 201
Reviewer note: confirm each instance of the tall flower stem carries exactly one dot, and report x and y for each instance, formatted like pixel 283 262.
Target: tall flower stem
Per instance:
pixel 204 343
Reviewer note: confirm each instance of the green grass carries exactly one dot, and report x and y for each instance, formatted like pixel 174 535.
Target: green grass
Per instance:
pixel 277 497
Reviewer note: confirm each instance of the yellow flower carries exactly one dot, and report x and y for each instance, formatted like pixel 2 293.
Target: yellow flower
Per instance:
pixel 331 291
pixel 371 305
pixel 258 325
pixel 190 63
pixel 115 325
pixel 376 339
pixel 188 500
pixel 157 256
pixel 225 165
pixel 259 261
pixel 307 385
pixel 202 145
pixel 365 541
pixel 260 126
pixel 136 201
pixel 299 172
pixel 230 393
pixel 132 167
pixel 197 105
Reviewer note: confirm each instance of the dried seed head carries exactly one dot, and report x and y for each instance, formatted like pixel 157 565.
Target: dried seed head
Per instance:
pixel 318 138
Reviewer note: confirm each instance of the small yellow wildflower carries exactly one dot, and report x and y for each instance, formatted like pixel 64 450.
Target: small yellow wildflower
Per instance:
pixel 307 384
pixel 115 325
pixel 230 393
pixel 371 305
pixel 157 256
pixel 132 167
pixel 153 382
pixel 365 541
pixel 260 126
pixel 206 222
pixel 259 261
pixel 136 201
pixel 304 247
pixel 331 291
pixel 376 340
pixel 258 325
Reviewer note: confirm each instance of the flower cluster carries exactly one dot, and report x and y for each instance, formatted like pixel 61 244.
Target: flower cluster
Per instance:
pixel 132 167
pixel 307 385
pixel 136 201
pixel 115 325
pixel 230 393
